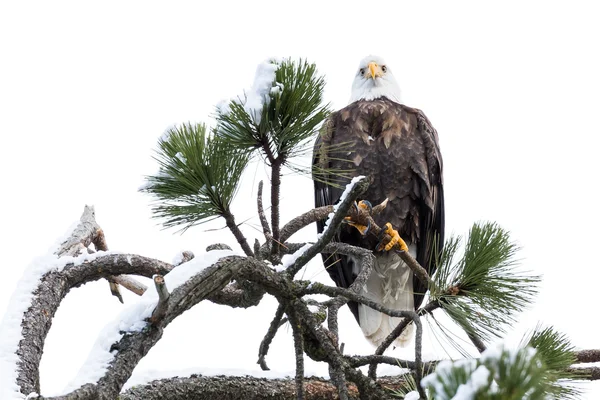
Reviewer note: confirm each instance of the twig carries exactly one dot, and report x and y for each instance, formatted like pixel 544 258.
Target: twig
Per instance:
pixel 587 356
pixel 338 378
pixel 163 300
pixel 477 342
pixel 587 373
pixel 266 342
pixel 314 215
pixel 82 236
pixel 329 232
pixel 363 216
pixel 319 288
pixel 261 213
pixel 299 351
pixel 130 284
pixel 275 188
pixel 359 361
pixel 397 331
pixel 230 222
pixel 368 389
pixel 85 233
pixel 419 357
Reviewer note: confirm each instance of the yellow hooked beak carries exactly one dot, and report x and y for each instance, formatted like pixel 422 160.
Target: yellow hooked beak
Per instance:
pixel 373 68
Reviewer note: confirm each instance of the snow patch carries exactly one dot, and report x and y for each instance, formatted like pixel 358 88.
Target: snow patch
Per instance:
pixel 414 395
pixel 479 379
pixel 164 137
pixel 133 319
pixel 349 187
pixel 260 92
pixel 10 327
pixel 289 259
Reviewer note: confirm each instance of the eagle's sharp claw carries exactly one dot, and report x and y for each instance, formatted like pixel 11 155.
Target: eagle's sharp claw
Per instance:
pixel 395 239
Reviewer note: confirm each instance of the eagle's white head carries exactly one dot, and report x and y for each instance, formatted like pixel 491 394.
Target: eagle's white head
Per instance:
pixel 374 79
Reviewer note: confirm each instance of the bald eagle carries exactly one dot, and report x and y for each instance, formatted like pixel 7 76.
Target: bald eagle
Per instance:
pixel 377 136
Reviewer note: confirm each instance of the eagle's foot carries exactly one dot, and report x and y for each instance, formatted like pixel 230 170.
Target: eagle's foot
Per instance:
pixel 363 206
pixel 395 239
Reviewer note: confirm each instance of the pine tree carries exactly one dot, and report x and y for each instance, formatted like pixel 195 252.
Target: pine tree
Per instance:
pixel 479 285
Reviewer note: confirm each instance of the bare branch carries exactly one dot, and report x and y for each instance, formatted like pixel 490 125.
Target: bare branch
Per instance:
pixel 163 297
pixel 363 216
pixel 82 236
pixel 314 215
pixel 587 356
pixel 329 232
pixel 261 213
pixel 129 283
pixel 266 342
pixel 237 233
pixel 275 189
pixel 52 289
pixel 587 373
pixel 299 351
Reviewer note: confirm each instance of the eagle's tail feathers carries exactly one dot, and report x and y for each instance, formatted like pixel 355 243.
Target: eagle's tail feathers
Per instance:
pixel 390 284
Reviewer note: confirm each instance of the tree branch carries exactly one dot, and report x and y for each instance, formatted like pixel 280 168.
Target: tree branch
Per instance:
pixel 329 232
pixel 261 214
pixel 266 342
pixel 163 297
pixel 237 233
pixel 314 215
pixel 52 289
pixel 275 188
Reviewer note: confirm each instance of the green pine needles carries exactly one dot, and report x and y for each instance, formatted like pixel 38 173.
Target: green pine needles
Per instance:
pixel 537 370
pixel 483 290
pixel 291 112
pixel 198 176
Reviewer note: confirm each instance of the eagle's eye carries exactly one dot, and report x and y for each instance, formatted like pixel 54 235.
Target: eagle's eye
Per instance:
pixel 384 68
pixel 362 71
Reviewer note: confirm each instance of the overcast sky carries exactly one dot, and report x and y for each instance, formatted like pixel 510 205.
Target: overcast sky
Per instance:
pixel 86 89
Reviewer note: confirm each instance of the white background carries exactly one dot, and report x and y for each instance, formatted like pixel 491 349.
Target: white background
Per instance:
pixel 87 88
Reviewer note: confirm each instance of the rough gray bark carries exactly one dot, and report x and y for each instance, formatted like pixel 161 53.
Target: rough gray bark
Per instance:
pixel 234 281
pixel 50 292
pixel 200 387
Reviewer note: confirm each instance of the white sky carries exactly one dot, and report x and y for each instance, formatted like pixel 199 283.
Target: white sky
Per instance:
pixel 86 89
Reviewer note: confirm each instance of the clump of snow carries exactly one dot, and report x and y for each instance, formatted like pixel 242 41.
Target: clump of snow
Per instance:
pixel 164 137
pixel 492 353
pixel 133 319
pixel 478 380
pixel 414 395
pixel 259 93
pixel 178 259
pixel 288 259
pixel 349 187
pixel 10 327
pixel 277 89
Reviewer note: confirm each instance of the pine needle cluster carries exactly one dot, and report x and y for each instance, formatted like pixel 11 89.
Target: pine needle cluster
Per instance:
pixel 534 371
pixel 484 290
pixel 198 176
pixel 292 111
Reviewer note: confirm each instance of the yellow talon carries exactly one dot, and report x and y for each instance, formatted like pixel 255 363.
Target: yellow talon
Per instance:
pixel 395 239
pixel 361 228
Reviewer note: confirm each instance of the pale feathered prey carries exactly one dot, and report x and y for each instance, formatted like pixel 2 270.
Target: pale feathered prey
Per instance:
pixel 377 136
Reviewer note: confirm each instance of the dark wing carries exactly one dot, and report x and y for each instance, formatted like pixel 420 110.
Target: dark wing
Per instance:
pixel 431 214
pixel 397 146
pixel 327 192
